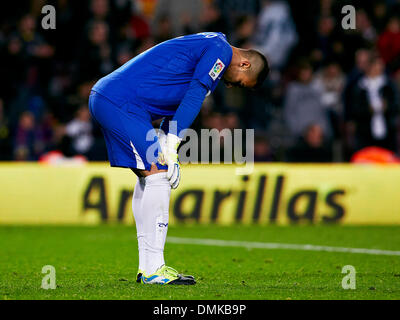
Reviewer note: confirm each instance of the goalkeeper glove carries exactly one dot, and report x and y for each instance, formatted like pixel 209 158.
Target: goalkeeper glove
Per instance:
pixel 169 153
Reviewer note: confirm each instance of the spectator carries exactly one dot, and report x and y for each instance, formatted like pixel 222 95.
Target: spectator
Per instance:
pixel 262 149
pixel 330 80
pixel 364 26
pixel 34 45
pixel 389 44
pixel 325 40
pixel 26 139
pixel 303 104
pixel 375 108
pixel 79 130
pixel 100 9
pixel 362 59
pixel 35 49
pixel 379 15
pixel 275 34
pixel 95 56
pixel 311 147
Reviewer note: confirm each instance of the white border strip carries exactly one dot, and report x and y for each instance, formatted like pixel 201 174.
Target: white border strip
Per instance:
pixel 281 246
pixel 139 161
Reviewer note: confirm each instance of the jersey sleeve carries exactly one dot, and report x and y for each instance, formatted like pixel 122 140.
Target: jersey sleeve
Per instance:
pixel 213 64
pixel 210 68
pixel 190 106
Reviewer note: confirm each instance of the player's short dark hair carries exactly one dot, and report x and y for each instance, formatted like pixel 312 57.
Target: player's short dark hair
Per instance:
pixel 261 65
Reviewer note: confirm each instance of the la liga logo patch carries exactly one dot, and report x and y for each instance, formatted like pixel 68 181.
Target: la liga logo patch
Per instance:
pixel 216 69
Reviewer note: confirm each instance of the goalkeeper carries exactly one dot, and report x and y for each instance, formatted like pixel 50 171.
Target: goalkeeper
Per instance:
pixel 170 81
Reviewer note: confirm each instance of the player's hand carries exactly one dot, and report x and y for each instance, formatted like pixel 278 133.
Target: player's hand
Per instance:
pixel 169 147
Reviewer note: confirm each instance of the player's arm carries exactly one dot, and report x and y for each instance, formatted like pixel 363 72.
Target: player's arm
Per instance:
pixel 184 117
pixel 208 71
pixel 190 106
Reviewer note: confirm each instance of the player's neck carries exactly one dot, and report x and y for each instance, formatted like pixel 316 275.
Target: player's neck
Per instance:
pixel 236 56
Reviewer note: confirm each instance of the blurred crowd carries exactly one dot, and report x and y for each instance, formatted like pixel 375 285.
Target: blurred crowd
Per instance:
pixel 331 92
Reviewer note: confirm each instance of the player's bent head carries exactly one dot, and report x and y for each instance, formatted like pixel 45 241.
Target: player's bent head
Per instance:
pixel 259 68
pixel 250 71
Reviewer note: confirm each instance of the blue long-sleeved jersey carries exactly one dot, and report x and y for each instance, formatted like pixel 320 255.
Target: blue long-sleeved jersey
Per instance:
pixel 172 78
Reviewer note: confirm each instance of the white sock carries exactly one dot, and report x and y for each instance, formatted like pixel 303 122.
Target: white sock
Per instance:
pixel 154 207
pixel 139 217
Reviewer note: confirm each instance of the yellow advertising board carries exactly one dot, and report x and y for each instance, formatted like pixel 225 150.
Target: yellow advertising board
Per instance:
pixel 272 193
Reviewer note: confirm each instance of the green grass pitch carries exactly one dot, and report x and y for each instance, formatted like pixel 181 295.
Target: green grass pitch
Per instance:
pixel 101 263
